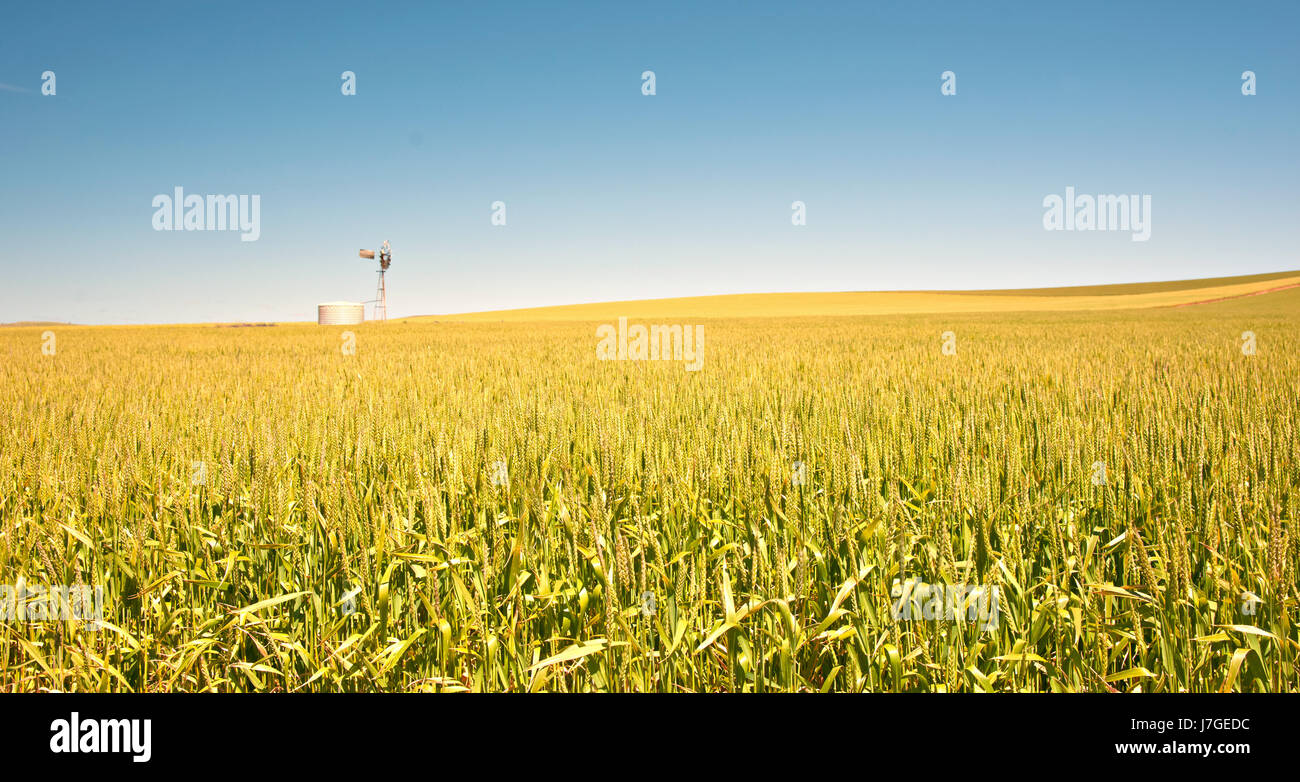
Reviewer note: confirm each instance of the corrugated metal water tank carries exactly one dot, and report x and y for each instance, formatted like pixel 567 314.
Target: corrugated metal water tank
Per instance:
pixel 340 313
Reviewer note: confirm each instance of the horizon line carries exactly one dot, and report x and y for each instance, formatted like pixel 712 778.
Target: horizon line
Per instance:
pixel 1114 289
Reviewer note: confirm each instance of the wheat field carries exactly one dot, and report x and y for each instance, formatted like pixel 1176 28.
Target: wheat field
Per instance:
pixel 265 512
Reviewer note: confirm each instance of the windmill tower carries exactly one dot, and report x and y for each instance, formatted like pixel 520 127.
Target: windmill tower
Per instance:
pixel 381 293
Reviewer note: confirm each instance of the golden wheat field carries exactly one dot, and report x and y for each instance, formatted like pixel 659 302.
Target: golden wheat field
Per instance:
pixel 486 506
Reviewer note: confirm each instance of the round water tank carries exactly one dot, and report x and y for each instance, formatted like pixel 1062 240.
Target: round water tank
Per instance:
pixel 340 313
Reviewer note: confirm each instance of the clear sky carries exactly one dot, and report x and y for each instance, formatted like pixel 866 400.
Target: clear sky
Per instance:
pixel 612 194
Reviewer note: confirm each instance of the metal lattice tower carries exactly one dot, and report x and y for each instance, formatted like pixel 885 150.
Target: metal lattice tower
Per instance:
pixel 381 292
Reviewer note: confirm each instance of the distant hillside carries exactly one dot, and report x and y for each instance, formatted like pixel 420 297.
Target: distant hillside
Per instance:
pixel 1132 287
pixel 1097 297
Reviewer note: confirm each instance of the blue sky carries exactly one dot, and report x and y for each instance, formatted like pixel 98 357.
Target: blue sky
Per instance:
pixel 611 194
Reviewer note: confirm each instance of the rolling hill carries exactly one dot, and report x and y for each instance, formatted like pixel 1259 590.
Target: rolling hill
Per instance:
pixel 1079 298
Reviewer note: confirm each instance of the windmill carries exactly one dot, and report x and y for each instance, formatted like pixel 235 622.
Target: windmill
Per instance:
pixel 381 293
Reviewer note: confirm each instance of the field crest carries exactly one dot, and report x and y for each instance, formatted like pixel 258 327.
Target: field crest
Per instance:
pixel 752 305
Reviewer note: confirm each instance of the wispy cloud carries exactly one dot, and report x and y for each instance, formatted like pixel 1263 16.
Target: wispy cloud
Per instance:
pixel 12 88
